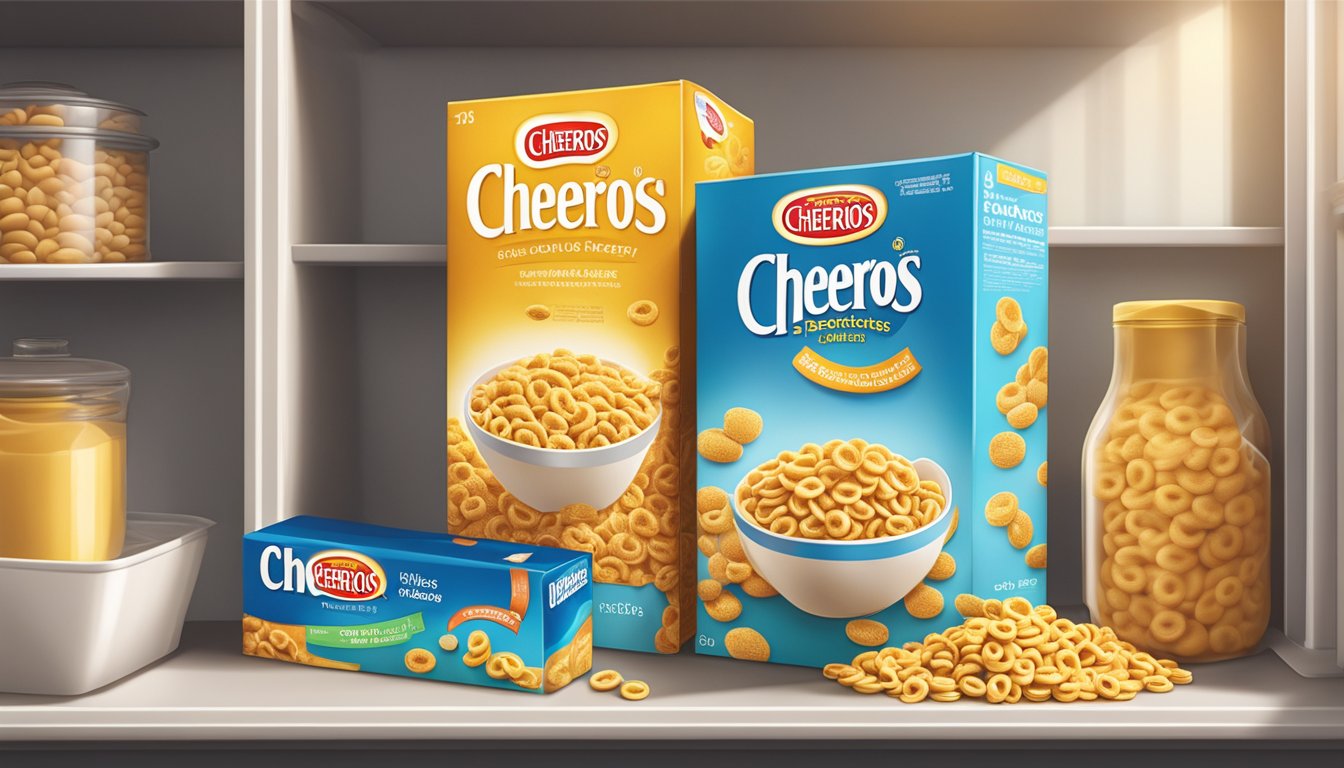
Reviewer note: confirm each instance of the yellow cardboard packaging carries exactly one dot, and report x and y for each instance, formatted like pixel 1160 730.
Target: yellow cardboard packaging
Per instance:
pixel 570 387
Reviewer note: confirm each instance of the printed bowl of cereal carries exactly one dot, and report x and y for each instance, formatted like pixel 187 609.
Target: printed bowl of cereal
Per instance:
pixel 843 529
pixel 563 428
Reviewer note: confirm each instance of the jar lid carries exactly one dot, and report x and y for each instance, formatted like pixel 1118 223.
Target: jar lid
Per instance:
pixel 56 110
pixel 44 368
pixel 1179 311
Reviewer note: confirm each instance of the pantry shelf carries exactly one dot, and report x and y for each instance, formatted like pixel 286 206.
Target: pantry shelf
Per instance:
pixel 360 254
pixel 149 270
pixel 410 255
pixel 1166 237
pixel 217 694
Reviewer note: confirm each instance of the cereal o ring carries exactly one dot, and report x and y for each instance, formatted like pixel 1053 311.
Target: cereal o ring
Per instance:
pixel 634 690
pixel 1009 314
pixel 715 445
pixel 538 311
pixel 420 660
pixel 605 680
pixel 642 312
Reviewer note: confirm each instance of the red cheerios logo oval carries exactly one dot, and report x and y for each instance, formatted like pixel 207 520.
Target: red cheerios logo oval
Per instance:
pixel 346 575
pixel 570 138
pixel 830 215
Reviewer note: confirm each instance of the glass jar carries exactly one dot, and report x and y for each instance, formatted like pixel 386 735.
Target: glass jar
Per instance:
pixel 1176 485
pixel 74 177
pixel 62 454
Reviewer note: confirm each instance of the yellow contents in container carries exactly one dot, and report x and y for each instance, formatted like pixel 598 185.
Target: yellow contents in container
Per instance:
pixel 62 482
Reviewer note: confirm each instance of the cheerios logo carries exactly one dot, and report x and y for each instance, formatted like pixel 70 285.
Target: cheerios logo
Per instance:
pixel 830 215
pixel 503 200
pixel 571 138
pixel 338 573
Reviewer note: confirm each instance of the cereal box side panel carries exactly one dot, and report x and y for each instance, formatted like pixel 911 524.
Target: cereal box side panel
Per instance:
pixel 564 234
pixel 404 615
pixel 718 143
pixel 887 363
pixel 1011 400
pixel 568 593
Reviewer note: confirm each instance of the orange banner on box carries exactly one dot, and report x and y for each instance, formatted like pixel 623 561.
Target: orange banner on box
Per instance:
pixel 510 618
pixel 879 377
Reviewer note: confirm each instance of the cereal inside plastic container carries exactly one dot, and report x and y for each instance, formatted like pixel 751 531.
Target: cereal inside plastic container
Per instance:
pixel 1176 485
pixel 74 177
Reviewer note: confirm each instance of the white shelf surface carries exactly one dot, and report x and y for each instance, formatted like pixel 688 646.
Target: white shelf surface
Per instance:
pixel 147 270
pixel 418 254
pixel 1166 237
pixel 208 690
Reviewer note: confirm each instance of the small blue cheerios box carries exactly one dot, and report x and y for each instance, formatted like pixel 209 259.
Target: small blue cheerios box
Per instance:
pixel 365 598
pixel 873 383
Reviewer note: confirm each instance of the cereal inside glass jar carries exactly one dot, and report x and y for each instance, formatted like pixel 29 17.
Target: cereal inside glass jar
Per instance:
pixel 1177 486
pixel 74 178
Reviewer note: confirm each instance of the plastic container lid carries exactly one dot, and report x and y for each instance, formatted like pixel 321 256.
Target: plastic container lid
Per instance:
pixel 1179 311
pixel 80 115
pixel 44 368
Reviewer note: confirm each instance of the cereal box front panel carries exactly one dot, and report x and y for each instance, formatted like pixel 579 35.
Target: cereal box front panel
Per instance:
pixel 838 479
pixel 567 218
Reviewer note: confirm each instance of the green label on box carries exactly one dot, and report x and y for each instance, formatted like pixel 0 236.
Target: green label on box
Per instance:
pixel 391 632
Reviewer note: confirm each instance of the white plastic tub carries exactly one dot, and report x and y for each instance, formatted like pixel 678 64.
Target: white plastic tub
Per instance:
pixel 71 627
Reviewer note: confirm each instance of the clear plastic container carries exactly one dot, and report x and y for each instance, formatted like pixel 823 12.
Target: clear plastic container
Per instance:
pixel 74 627
pixel 62 454
pixel 1176 485
pixel 74 177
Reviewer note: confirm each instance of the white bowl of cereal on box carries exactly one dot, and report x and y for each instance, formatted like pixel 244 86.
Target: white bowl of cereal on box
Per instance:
pixel 562 428
pixel 844 529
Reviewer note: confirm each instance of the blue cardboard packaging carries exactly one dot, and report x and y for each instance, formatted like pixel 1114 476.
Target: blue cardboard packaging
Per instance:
pixel 872 397
pixel 343 595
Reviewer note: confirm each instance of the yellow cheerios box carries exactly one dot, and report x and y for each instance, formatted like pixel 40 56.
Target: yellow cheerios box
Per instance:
pixel 571 331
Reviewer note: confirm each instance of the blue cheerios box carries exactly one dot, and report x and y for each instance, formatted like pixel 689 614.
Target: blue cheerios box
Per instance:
pixel 872 388
pixel 364 598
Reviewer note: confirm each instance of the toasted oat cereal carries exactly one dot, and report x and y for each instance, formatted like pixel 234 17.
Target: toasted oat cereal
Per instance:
pixel 924 602
pixel 944 568
pixel 448 642
pixel 709 589
pixel 538 311
pixel 1010 396
pixel 643 312
pixel 420 661
pixel 1038 364
pixel 969 605
pixel 1002 340
pixel 1041 472
pixel 742 425
pixel 1036 556
pixel 565 401
pixel 1031 653
pixel 634 690
pixel 747 644
pixel 755 586
pixel 843 490
pixel 1022 416
pixel 1009 314
pixel 1001 508
pixel 1020 530
pixel 867 632
pixel 714 444
pixel 711 498
pixel 726 607
pixel 478 649
pixel 1007 449
pixel 605 680
pixel 1038 393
